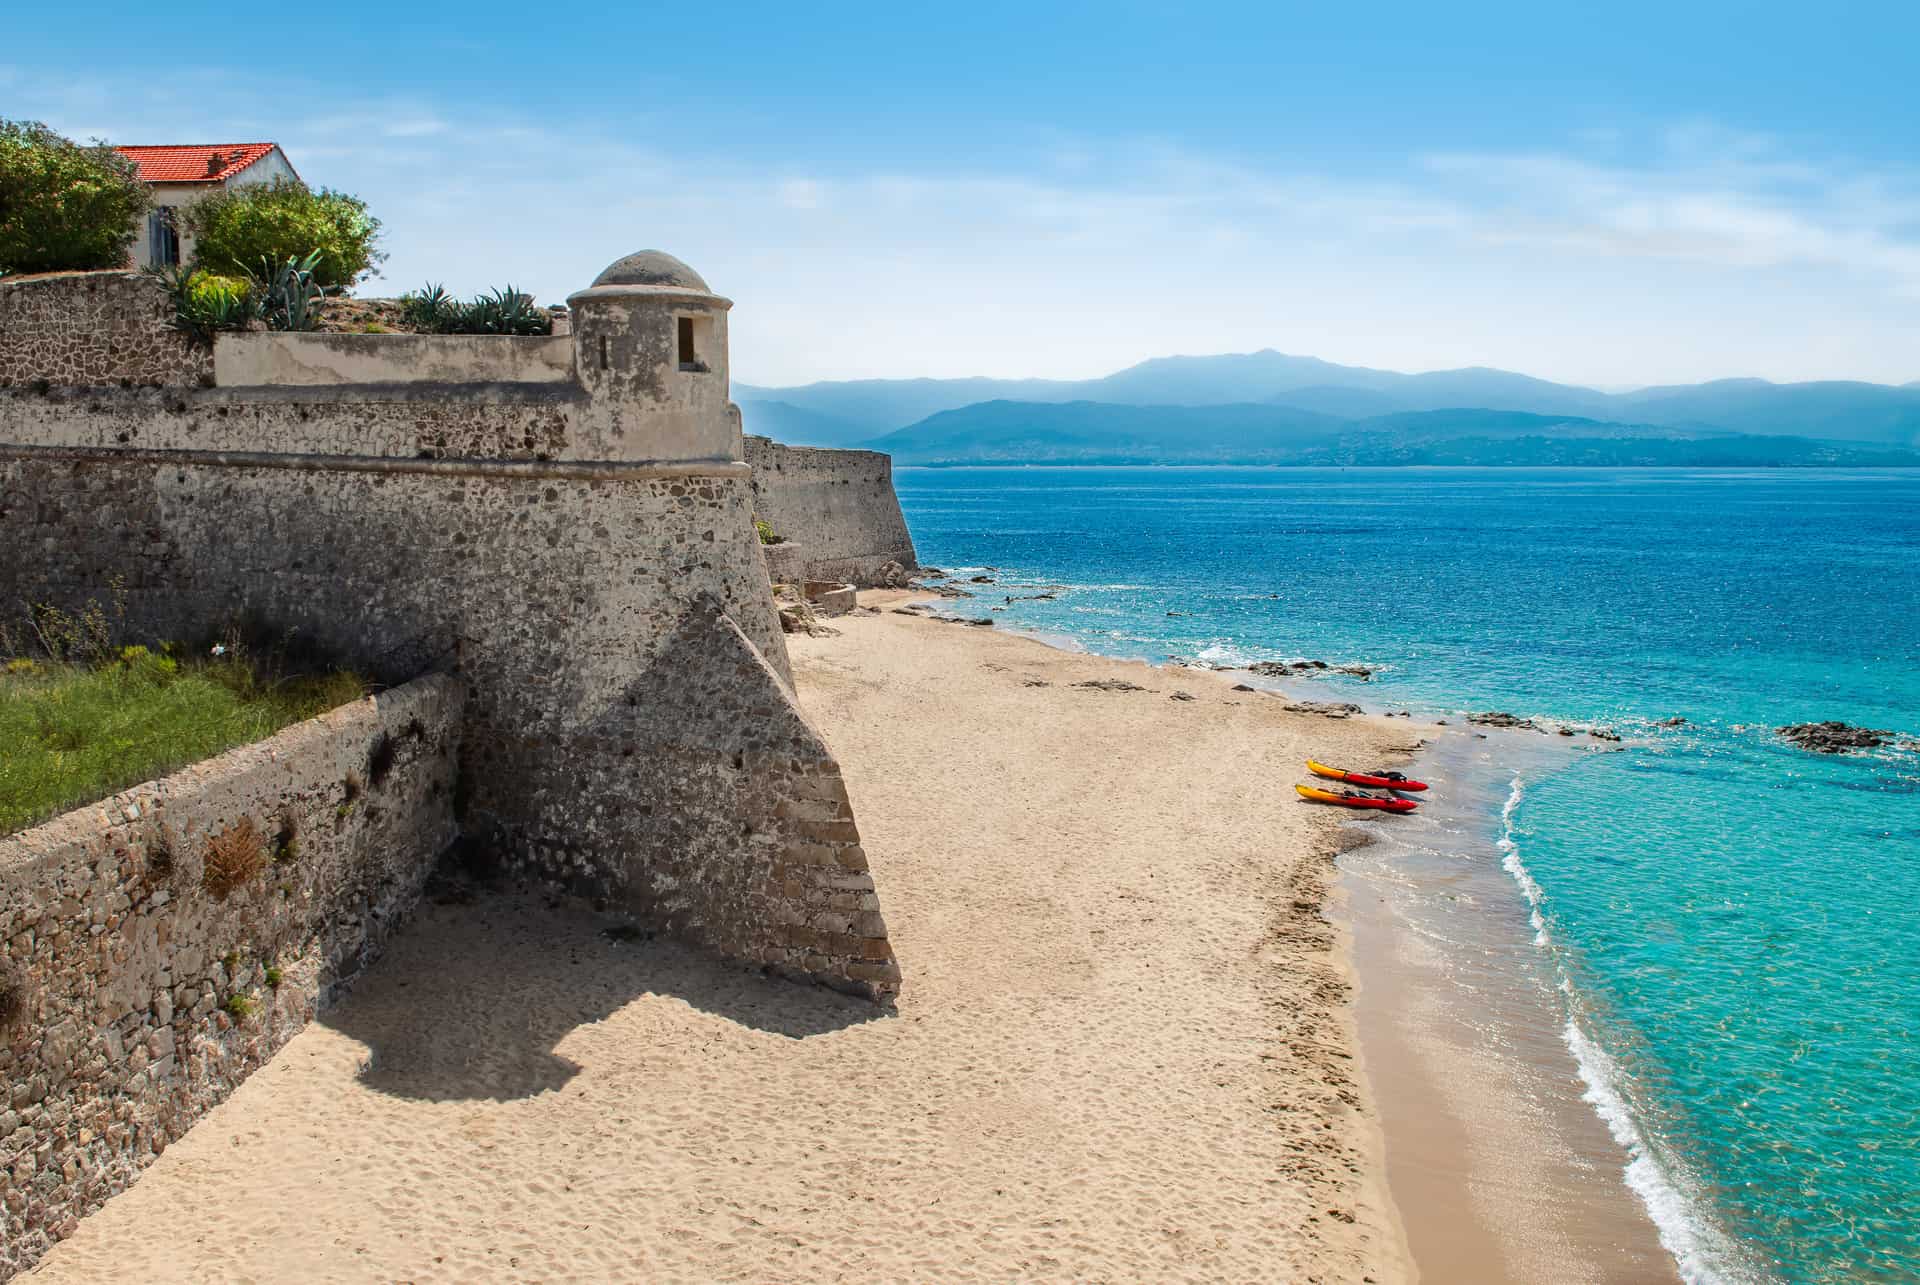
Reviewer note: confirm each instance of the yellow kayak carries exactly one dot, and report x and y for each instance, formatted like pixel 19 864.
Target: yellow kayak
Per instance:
pixel 1373 780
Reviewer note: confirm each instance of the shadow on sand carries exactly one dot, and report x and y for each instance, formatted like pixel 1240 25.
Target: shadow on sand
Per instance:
pixel 471 998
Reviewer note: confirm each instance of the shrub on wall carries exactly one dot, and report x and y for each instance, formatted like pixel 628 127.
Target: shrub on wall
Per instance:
pixel 204 302
pixel 506 311
pixel 64 206
pixel 235 229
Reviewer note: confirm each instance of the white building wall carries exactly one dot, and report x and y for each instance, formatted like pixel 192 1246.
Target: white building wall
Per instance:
pixel 274 165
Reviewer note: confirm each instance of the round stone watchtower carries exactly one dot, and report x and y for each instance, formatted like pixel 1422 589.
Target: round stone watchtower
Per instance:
pixel 650 350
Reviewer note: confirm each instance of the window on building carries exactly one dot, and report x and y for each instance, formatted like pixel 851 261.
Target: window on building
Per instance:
pixel 163 239
pixel 689 358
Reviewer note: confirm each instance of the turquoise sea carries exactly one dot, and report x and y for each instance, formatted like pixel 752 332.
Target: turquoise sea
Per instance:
pixel 1732 921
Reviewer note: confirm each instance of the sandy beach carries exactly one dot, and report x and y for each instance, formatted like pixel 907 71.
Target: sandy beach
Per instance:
pixel 1125 1049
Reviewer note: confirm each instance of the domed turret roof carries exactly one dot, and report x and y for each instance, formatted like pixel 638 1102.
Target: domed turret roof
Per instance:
pixel 651 268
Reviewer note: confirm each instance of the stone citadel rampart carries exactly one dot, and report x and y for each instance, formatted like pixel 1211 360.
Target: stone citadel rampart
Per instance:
pixel 579 549
pixel 838 507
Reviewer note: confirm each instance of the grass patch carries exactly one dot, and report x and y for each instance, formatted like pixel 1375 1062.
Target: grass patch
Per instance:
pixel 74 732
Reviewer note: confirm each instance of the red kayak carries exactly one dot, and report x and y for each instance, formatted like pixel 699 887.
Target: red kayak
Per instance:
pixel 1373 780
pixel 1352 800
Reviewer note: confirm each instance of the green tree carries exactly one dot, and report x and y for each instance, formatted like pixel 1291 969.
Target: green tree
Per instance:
pixel 235 229
pixel 65 206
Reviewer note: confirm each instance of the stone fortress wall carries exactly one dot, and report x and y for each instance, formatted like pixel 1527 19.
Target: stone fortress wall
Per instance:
pixel 580 550
pixel 95 328
pixel 159 946
pixel 838 507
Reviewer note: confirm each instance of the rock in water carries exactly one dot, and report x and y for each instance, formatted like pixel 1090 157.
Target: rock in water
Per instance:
pixel 1500 719
pixel 943 590
pixel 1833 737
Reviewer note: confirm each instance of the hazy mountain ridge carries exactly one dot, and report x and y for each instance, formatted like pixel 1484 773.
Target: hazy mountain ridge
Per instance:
pixel 1076 432
pixel 1009 432
pixel 1853 411
pixel 797 425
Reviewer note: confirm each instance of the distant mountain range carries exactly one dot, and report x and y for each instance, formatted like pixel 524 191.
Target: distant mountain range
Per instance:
pixel 1272 407
pixel 1099 433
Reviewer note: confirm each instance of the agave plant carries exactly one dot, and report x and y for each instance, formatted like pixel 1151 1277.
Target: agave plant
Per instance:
pixel 506 311
pixel 290 297
pixel 429 307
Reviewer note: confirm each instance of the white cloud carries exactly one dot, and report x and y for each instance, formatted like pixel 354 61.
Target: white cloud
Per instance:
pixel 801 193
pixel 1617 259
pixel 1745 206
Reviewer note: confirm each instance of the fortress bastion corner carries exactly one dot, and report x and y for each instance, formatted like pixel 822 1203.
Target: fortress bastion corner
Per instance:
pixel 566 522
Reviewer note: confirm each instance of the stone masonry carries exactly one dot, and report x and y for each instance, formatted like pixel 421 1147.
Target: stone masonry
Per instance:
pixel 836 508
pixel 580 552
pixel 95 328
pixel 159 946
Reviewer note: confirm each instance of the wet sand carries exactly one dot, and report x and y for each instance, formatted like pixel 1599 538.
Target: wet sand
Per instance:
pixel 1499 1170
pixel 1125 1049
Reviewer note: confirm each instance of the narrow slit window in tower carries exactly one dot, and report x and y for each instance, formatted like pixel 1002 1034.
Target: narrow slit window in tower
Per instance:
pixel 689 359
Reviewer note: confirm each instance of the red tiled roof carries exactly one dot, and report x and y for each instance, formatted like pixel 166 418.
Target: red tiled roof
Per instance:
pixel 197 163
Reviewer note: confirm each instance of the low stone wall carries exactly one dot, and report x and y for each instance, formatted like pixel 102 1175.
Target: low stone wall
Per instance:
pixel 96 330
pixel 786 562
pixel 305 360
pixel 157 948
pixel 838 506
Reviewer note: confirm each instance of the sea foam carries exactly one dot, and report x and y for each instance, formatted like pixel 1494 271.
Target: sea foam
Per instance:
pixel 1702 1253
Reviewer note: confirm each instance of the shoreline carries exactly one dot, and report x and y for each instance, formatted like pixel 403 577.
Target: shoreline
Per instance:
pixel 1495 1150
pixel 1451 1155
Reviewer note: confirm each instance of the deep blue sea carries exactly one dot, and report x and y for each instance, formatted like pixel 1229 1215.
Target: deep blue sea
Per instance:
pixel 1733 920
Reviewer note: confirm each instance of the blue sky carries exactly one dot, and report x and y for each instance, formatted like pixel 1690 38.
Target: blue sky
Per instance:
pixel 1612 194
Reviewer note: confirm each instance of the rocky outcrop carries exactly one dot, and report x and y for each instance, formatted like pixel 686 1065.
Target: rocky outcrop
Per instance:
pixel 1834 738
pixel 1500 719
pixel 1307 668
